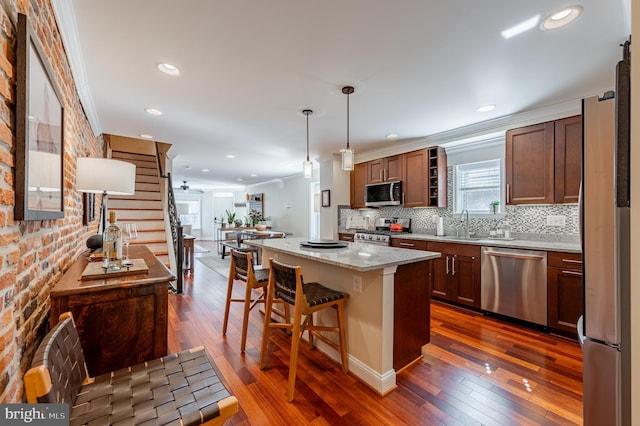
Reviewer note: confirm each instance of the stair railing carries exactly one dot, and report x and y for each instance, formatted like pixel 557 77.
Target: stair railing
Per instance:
pixel 174 225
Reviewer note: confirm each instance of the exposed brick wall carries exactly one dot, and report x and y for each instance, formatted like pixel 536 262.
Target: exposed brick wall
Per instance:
pixel 35 254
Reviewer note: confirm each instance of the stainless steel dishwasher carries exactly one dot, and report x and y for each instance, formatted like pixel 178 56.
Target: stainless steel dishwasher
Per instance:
pixel 514 283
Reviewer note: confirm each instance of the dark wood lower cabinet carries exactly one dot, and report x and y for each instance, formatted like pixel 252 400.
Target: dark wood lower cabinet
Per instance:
pixel 122 321
pixel 456 275
pixel 564 292
pixel 411 313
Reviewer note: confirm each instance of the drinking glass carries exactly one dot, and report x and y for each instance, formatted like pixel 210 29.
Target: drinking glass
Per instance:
pixel 130 233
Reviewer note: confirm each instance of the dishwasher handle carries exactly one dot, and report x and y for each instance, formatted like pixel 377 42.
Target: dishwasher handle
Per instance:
pixel 513 255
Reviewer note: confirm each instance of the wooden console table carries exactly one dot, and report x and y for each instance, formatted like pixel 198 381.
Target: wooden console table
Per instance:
pixel 121 321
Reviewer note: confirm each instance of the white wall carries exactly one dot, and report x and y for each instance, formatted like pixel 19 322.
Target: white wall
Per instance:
pixel 287 202
pixel 338 182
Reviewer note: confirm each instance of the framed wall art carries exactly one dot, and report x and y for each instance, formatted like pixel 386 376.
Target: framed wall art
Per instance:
pixel 39 132
pixel 326 198
pixel 88 208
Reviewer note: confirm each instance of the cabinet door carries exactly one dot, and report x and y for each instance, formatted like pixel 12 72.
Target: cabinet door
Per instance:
pixel 564 295
pixel 409 243
pixel 416 178
pixel 393 168
pixel 568 159
pixel 375 170
pixel 385 169
pixel 530 164
pixel 465 272
pixel 358 181
pixel 441 285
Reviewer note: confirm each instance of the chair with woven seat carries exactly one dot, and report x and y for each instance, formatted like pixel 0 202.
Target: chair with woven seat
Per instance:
pixel 241 269
pixel 182 388
pixel 286 283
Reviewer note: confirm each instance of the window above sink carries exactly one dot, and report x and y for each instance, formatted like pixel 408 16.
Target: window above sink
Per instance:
pixel 478 185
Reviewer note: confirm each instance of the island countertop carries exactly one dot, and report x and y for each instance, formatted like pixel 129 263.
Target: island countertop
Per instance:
pixel 357 256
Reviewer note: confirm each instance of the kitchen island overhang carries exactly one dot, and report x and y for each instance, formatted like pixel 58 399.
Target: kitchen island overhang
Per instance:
pixel 388 320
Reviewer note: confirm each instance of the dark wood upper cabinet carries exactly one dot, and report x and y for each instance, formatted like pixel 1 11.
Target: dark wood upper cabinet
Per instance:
pixel 385 169
pixel 530 164
pixel 543 162
pixel 358 182
pixel 568 159
pixel 415 181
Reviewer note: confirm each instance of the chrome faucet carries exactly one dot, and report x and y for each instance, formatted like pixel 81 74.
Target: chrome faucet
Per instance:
pixel 464 218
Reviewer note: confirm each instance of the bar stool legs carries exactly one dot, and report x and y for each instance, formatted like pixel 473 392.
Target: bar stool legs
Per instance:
pixel 285 283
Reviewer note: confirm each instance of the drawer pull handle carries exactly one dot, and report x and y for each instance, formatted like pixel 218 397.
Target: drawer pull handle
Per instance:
pixel 407 244
pixel 572 261
pixel 577 274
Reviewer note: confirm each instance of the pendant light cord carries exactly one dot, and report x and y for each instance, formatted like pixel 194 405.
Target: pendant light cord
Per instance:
pixel 348 120
pixel 348 90
pixel 307 136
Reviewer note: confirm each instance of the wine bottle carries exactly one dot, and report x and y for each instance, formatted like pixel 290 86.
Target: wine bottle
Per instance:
pixel 112 245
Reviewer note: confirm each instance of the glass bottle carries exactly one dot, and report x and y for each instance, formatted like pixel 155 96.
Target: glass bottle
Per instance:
pixel 112 245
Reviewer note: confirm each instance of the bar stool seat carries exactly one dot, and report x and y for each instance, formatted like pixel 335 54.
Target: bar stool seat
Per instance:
pixel 286 283
pixel 241 269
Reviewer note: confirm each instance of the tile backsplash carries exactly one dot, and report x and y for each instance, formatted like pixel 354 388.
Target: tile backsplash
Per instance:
pixel 530 220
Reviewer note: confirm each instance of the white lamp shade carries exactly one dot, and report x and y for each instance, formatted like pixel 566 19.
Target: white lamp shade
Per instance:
pixel 347 159
pixel 100 175
pixel 307 167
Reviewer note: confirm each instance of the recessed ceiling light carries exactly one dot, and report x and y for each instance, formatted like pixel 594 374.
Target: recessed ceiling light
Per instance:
pixel 153 111
pixel 204 170
pixel 486 108
pixel 521 27
pixel 561 18
pixel 239 179
pixel 231 156
pixel 168 68
pixel 253 175
pixel 144 136
pixel 392 136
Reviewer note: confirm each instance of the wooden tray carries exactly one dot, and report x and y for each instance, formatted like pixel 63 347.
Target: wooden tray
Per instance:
pixel 95 271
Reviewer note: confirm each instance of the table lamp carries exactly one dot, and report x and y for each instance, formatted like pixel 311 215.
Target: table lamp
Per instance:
pixel 107 177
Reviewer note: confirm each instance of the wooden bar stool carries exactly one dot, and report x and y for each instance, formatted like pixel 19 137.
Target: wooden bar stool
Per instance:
pixel 286 283
pixel 241 269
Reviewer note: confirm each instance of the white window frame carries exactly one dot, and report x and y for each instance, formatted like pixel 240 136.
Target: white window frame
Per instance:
pixel 457 203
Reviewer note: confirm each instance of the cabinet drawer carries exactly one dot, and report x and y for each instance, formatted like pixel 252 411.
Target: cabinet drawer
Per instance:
pixel 453 248
pixel 564 260
pixel 345 237
pixel 409 244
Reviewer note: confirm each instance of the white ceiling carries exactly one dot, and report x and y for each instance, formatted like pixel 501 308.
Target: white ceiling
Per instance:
pixel 249 67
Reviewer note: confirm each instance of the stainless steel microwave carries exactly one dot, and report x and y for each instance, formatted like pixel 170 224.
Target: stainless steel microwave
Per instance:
pixel 383 194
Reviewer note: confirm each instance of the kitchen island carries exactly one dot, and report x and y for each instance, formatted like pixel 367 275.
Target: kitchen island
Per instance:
pixel 388 309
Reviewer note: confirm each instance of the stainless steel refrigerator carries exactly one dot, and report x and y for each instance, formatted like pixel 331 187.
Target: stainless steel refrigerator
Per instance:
pixel 604 329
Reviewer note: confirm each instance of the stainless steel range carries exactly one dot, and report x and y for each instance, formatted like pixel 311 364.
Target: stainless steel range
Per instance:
pixel 385 227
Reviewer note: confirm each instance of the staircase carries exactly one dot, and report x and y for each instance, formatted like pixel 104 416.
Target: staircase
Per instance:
pixel 144 207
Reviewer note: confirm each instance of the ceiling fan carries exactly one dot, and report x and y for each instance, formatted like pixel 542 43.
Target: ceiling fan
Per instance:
pixel 184 186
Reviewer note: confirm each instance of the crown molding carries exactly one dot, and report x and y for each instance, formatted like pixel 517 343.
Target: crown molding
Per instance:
pixel 488 130
pixel 66 18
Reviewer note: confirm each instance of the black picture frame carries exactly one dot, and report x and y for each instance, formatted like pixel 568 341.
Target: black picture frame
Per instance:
pixel 39 132
pixel 88 208
pixel 326 198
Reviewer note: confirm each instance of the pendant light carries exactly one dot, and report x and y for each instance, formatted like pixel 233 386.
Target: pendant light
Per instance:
pixel 347 154
pixel 307 166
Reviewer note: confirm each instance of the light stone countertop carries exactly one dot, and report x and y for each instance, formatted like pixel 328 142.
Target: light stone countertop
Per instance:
pixel 566 247
pixel 356 256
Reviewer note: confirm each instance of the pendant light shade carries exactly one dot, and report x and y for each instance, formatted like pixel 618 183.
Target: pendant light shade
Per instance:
pixel 307 166
pixel 347 154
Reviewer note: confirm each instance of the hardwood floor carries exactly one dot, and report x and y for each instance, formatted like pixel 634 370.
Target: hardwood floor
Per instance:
pixel 476 370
